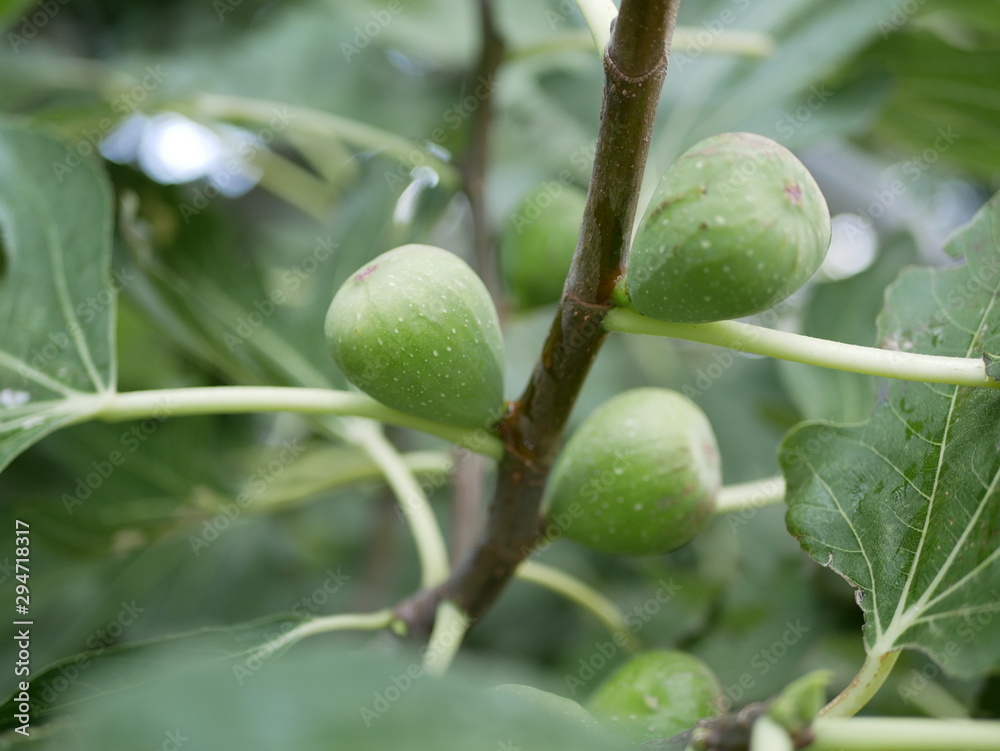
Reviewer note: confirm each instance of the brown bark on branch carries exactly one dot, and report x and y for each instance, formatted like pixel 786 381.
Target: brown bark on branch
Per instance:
pixel 635 64
pixel 468 485
pixel 476 158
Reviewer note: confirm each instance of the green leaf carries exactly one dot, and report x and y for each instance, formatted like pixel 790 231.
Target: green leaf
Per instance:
pixel 57 306
pixel 10 13
pixel 800 701
pixel 320 695
pixel 905 507
pixel 992 365
pixel 945 98
pixel 784 96
pixel 98 675
pixel 840 395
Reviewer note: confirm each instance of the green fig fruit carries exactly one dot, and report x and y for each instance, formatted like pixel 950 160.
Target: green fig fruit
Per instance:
pixel 737 225
pixel 656 694
pixel 640 476
pixel 416 329
pixel 537 243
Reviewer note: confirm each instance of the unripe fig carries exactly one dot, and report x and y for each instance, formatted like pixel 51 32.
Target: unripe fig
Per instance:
pixel 737 225
pixel 656 694
pixel 416 329
pixel 640 475
pixel 537 243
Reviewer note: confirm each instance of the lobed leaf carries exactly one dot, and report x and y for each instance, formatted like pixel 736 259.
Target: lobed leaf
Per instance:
pixel 102 675
pixel 57 307
pixel 906 506
pixel 221 690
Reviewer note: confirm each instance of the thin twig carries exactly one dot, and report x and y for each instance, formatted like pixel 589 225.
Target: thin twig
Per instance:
pixel 635 65
pixel 468 482
pixel 467 495
pixel 476 159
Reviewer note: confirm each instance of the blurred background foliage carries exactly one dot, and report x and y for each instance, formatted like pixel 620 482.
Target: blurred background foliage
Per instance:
pixel 225 199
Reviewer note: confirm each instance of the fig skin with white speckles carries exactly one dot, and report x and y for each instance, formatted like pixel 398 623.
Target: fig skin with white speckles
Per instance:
pixel 639 477
pixel 656 694
pixel 416 329
pixel 736 226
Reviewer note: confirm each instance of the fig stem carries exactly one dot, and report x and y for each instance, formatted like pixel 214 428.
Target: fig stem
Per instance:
pixel 598 15
pixel 431 550
pixel 911 733
pixel 450 625
pixel 344 622
pixel 590 599
pixel 750 496
pixel 732 42
pixel 745 337
pixel 571 41
pixel 866 683
pixel 161 404
pixel 215 400
pixel 305 121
